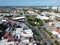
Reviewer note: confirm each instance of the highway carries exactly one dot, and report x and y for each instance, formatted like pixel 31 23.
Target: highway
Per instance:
pixel 35 31
pixel 44 37
pixel 44 34
pixel 47 39
pixel 40 35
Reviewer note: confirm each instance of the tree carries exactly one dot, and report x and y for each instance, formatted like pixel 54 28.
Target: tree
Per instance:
pixel 56 42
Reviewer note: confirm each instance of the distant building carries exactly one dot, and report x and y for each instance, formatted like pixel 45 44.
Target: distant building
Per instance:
pixel 54 8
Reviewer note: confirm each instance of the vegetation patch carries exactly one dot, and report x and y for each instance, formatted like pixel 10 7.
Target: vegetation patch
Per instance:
pixel 33 21
pixel 50 34
pixel 56 42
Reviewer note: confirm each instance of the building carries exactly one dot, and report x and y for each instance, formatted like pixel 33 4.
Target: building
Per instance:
pixel 56 33
pixel 52 17
pixel 56 24
pixel 27 33
pixel 31 13
pixel 22 18
pixel 42 17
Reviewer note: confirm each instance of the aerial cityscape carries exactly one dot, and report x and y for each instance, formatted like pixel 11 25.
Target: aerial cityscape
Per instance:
pixel 29 22
pixel 30 25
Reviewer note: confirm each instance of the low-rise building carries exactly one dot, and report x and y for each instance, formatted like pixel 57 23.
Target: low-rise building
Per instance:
pixel 27 33
pixel 56 33
pixel 22 18
pixel 42 17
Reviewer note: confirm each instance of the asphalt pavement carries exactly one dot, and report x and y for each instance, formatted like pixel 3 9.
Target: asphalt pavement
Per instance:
pixel 46 37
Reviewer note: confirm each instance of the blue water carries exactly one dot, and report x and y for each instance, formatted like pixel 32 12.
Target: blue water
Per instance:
pixel 29 2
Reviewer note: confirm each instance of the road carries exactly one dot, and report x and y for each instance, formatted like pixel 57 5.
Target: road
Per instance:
pixel 40 35
pixel 35 31
pixel 44 37
pixel 44 34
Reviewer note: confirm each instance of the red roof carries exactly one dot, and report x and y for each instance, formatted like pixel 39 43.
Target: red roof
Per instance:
pixel 10 38
pixel 6 33
pixel 58 30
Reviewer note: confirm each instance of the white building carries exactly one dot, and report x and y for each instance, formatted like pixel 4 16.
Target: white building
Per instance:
pixel 56 24
pixel 18 31
pixel 32 13
pixel 52 17
pixel 22 18
pixel 17 18
pixel 54 8
pixel 27 33
pixel 42 17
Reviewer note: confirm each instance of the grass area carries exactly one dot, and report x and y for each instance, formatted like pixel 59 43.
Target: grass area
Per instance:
pixel 47 21
pixel 50 34
pixel 56 42
pixel 33 21
pixel 38 38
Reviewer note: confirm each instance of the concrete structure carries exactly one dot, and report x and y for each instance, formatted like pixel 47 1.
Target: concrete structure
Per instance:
pixel 18 31
pixel 17 18
pixel 22 18
pixel 52 17
pixel 31 13
pixel 56 24
pixel 27 33
pixel 42 17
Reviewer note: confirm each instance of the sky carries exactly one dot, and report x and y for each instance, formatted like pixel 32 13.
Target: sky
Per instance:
pixel 29 2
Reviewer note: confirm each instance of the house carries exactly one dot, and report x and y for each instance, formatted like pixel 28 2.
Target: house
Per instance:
pixel 27 33
pixel 18 31
pixel 56 33
pixel 52 17
pixel 56 24
pixel 31 13
pixel 25 41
